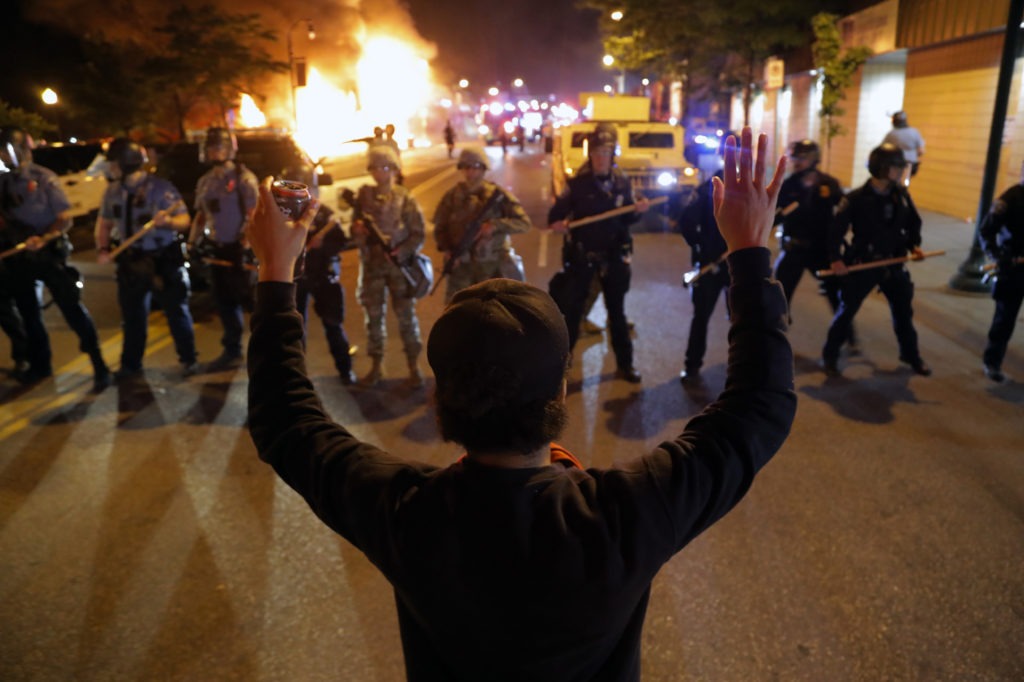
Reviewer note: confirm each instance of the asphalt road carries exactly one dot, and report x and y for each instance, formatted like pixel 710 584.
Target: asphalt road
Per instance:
pixel 142 539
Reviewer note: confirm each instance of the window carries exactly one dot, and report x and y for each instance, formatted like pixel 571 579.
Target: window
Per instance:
pixel 651 140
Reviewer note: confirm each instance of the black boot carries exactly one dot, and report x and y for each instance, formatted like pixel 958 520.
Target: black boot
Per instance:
pixel 101 377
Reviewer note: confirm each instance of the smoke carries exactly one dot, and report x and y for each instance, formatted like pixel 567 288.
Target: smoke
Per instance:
pixel 341 28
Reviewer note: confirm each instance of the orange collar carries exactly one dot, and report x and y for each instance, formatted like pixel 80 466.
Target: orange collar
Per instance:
pixel 559 455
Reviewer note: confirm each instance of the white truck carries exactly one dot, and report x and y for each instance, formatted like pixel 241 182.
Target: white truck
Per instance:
pixel 649 152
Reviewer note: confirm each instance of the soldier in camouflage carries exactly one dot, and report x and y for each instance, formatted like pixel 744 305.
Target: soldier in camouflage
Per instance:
pixel 400 221
pixel 491 253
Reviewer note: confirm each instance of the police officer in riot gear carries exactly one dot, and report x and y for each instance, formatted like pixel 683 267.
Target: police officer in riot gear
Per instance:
pixel 885 224
pixel 603 247
pixel 1002 236
pixel 321 280
pixel 35 209
pixel 807 205
pixel 225 201
pixel 10 318
pixel 154 264
pixel 707 251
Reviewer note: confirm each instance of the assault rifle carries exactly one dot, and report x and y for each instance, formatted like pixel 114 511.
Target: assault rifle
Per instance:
pixel 470 236
pixel 410 270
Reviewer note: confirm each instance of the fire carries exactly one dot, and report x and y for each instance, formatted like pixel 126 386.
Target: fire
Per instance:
pixel 394 85
pixel 249 115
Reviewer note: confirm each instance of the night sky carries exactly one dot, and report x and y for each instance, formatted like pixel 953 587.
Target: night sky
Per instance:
pixel 550 44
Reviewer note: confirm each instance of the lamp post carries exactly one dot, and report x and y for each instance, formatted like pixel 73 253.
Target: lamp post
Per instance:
pixel 291 66
pixel 50 99
pixel 609 61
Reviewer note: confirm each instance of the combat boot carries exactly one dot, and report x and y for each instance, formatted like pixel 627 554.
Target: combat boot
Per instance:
pixel 375 374
pixel 415 376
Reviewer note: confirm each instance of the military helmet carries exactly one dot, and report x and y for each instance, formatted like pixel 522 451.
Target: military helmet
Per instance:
pixel 899 119
pixel 383 155
pixel 217 136
pixel 129 155
pixel 605 135
pixel 15 147
pixel 471 156
pixel 884 157
pixel 806 148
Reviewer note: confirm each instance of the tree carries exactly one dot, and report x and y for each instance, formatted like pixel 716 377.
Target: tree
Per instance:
pixel 716 45
pixel 33 124
pixel 837 68
pixel 210 56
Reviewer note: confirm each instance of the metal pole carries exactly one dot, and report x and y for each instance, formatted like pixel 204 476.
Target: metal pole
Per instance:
pixel 291 77
pixel 969 275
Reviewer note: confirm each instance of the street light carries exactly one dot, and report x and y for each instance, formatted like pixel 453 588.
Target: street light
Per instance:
pixel 617 15
pixel 609 61
pixel 518 83
pixel 291 68
pixel 50 99
pixel 464 83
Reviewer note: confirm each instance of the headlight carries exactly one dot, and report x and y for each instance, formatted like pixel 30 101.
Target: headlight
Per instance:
pixel 666 179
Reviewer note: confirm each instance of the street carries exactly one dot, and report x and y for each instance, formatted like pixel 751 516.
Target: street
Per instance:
pixel 142 539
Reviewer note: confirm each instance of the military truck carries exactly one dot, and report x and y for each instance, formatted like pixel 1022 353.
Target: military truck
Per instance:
pixel 649 152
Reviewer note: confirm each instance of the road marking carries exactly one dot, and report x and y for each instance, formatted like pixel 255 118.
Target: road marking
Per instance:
pixel 18 414
pixel 436 180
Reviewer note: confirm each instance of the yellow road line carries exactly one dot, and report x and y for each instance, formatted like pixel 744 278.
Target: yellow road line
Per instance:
pixel 17 414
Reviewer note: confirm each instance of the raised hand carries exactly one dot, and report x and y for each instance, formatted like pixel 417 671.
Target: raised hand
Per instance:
pixel 744 204
pixel 277 241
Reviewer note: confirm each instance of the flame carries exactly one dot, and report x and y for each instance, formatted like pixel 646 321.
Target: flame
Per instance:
pixel 249 114
pixel 394 86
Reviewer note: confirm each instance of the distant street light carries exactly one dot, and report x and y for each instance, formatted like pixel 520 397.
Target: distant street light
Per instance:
pixel 50 99
pixel 609 61
pixel 492 91
pixel 518 82
pixel 291 68
pixel 463 83
pixel 617 15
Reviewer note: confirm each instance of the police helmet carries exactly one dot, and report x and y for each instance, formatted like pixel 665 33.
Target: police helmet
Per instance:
pixel 217 137
pixel 129 155
pixel 884 157
pixel 605 136
pixel 899 119
pixel 15 147
pixel 806 149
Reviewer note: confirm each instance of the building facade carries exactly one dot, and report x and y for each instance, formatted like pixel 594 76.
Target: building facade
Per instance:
pixel 937 60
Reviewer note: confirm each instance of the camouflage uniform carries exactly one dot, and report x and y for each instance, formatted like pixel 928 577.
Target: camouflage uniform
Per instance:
pixel 400 219
pixel 488 258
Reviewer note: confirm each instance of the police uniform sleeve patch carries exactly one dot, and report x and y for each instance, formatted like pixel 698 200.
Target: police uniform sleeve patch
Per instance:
pixel 999 207
pixel 824 191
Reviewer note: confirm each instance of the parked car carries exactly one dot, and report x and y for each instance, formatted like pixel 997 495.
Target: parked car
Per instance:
pixel 80 176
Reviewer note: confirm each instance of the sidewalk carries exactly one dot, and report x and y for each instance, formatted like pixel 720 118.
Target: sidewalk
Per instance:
pixel 965 316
